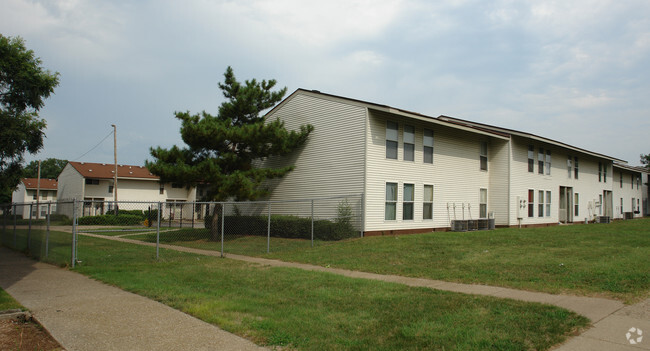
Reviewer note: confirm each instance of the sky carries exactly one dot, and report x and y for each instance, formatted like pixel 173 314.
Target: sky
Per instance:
pixel 572 71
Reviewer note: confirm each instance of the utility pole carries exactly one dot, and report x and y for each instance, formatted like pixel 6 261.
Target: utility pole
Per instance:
pixel 115 158
pixel 38 188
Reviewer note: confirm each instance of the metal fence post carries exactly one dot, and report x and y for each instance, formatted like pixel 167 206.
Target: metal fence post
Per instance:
pixel 170 216
pixel 158 230
pixel 193 211
pixel 15 224
pixel 268 231
pixel 223 215
pixel 312 222
pixel 29 230
pixel 74 233
pixel 47 231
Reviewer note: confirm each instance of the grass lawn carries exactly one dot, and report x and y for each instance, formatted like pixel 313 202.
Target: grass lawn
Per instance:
pixel 236 244
pixel 315 311
pixel 599 260
pixel 8 303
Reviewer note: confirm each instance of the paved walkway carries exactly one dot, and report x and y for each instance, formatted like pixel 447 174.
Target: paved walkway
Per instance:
pixel 84 314
pixel 611 319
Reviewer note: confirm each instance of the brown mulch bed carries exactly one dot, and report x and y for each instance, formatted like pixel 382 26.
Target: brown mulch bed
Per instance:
pixel 20 334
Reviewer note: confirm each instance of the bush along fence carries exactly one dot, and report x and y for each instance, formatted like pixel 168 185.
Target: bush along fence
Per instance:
pixel 59 231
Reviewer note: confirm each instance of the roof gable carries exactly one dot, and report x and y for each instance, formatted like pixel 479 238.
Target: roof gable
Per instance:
pixel 33 183
pixel 107 171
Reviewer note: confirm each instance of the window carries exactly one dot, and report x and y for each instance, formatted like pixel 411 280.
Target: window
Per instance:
pixel 605 173
pixel 484 156
pixel 391 140
pixel 409 143
pixel 540 161
pixel 531 159
pixel 540 205
pixel 531 203
pixel 34 196
pixel 631 181
pixel 548 162
pixel 600 204
pixel 162 188
pixel 548 204
pixel 427 141
pixel 482 203
pixel 576 204
pixel 91 181
pixel 43 195
pixel 621 205
pixel 600 172
pixel 110 189
pixel 575 167
pixel 620 179
pixel 568 167
pixel 633 204
pixel 407 204
pixel 391 202
pixel 427 202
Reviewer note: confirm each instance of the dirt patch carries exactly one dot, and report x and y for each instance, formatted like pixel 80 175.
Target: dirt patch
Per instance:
pixel 25 335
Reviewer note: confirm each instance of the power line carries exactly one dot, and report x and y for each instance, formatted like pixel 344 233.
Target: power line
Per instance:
pixel 94 147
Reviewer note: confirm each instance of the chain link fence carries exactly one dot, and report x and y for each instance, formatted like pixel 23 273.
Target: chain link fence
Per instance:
pixel 69 232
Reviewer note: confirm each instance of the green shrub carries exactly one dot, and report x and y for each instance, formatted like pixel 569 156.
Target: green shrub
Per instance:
pixel 111 219
pixel 290 227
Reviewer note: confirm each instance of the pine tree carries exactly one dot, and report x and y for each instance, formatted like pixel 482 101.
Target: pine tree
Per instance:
pixel 222 150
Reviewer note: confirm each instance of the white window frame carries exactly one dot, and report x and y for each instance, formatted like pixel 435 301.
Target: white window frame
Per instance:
pixel 483 146
pixel 408 141
pixel 540 203
pixel 426 201
pixel 391 201
pixel 576 204
pixel 531 159
pixel 482 203
pixel 548 203
pixel 406 202
pixel 390 140
pixel 547 162
pixel 540 161
pixel 427 145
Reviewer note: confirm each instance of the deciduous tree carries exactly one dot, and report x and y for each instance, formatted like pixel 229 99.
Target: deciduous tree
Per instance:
pixel 24 86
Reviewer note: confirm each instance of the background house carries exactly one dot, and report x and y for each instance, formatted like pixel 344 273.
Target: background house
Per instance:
pixel 93 184
pixel 26 193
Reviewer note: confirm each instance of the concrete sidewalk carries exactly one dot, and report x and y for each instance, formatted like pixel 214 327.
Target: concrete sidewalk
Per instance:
pixel 84 314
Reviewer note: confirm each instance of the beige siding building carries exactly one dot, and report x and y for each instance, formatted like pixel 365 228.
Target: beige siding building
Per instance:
pixel 38 193
pixel 93 184
pixel 419 173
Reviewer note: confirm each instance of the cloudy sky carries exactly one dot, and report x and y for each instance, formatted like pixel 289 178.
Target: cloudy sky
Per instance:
pixel 574 71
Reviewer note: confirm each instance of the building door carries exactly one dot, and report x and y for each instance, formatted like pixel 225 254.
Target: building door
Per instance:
pixel 566 204
pixel 608 204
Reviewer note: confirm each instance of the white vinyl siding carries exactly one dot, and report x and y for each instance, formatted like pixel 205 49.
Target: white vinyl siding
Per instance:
pixel 332 161
pixel 452 174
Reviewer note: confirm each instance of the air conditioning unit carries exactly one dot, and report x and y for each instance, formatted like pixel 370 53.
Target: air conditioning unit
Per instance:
pixel 603 219
pixel 459 226
pixel 483 224
pixel 491 224
pixel 472 224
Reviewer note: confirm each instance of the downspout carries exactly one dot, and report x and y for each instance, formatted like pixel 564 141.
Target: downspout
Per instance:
pixel 364 196
pixel 509 181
